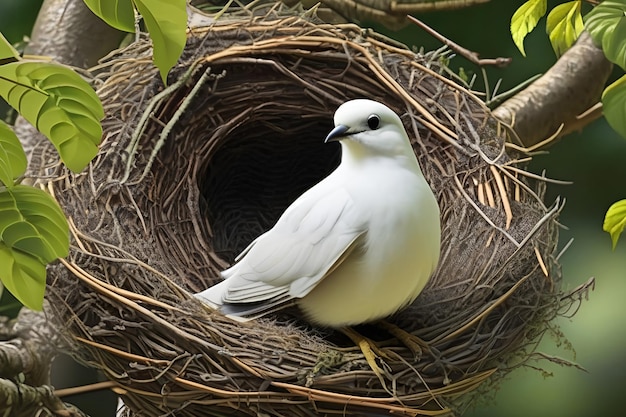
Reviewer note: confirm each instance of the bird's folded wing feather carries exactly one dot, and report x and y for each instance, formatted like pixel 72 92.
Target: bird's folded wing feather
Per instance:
pixel 311 237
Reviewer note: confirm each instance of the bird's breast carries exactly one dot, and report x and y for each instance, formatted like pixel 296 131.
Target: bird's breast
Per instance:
pixel 395 259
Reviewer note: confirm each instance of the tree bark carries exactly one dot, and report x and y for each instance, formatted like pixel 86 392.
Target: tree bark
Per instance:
pixel 71 34
pixel 28 345
pixel 572 86
pixel 391 13
pixel 23 400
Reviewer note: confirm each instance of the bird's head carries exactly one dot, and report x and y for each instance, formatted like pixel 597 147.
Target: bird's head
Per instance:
pixel 367 128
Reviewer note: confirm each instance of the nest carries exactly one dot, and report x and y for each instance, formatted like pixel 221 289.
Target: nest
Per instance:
pixel 189 174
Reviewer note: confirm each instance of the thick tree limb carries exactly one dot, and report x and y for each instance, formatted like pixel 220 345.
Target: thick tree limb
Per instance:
pixel 561 97
pixel 71 34
pixel 23 400
pixel 391 13
pixel 27 346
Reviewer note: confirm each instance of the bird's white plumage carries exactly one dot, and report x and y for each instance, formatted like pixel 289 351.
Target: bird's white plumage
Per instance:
pixel 356 247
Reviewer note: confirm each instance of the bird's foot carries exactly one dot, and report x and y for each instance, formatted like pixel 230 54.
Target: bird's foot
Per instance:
pixel 372 353
pixel 416 345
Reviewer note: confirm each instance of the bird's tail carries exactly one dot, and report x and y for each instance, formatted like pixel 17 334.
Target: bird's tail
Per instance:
pixel 213 297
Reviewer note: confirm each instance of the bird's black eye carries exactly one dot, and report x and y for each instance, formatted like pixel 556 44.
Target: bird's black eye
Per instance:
pixel 373 121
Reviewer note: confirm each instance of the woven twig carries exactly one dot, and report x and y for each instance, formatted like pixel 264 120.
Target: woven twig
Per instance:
pixel 188 176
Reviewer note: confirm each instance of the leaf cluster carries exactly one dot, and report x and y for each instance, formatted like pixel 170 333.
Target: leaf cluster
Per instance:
pixel 166 21
pixel 606 23
pixel 33 228
pixel 563 25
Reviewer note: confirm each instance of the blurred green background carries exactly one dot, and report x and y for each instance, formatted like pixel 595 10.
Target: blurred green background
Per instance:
pixel 593 159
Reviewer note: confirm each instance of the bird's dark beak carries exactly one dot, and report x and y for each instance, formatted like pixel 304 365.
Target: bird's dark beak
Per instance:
pixel 337 133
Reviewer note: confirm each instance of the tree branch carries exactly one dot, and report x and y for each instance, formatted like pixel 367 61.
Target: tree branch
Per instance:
pixel 391 13
pixel 562 97
pixel 24 400
pixel 27 346
pixel 471 56
pixel 71 34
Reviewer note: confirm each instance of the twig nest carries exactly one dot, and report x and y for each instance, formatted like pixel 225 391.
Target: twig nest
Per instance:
pixel 189 174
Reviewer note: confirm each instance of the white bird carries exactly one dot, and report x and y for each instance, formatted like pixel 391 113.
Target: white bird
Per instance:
pixel 358 246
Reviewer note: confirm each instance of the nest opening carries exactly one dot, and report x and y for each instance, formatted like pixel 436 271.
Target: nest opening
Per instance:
pixel 261 167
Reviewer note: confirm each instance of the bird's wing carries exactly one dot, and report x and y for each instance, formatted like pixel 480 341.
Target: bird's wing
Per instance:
pixel 313 236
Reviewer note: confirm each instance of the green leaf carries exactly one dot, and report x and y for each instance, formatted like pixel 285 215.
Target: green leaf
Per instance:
pixel 7 51
pixel 32 222
pixel 615 220
pixel 614 105
pixel 564 25
pixel 59 103
pixel 24 276
pixel 117 13
pixel 525 19
pixel 615 46
pixel 606 24
pixel 33 233
pixel 166 21
pixel 12 157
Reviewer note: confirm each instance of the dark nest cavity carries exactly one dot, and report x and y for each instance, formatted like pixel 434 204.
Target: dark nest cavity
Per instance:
pixel 260 168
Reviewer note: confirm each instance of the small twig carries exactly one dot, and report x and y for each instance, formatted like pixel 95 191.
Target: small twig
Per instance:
pixel 481 315
pixel 206 76
pixel 535 176
pixel 582 120
pixel 496 99
pixel 539 144
pixel 131 149
pixel 385 404
pixel 223 10
pixel 483 215
pixel 565 248
pixel 503 196
pixel 471 56
pixel 83 389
